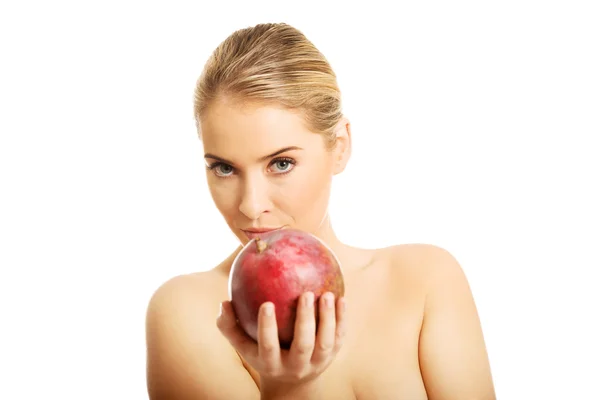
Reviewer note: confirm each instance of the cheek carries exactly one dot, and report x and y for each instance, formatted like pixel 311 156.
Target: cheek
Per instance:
pixel 305 197
pixel 223 195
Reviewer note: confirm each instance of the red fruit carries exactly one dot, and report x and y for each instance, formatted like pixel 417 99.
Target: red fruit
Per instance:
pixel 279 267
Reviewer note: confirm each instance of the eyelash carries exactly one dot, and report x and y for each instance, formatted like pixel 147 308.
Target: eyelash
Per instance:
pixel 214 165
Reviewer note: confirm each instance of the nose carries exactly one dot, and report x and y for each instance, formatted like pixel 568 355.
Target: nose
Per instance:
pixel 254 198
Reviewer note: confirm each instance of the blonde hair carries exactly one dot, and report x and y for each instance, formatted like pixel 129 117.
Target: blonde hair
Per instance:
pixel 272 63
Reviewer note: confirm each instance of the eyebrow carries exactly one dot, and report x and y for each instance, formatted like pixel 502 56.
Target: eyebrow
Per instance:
pixel 283 150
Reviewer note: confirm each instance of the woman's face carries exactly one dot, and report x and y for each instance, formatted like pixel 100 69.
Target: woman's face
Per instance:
pixel 266 170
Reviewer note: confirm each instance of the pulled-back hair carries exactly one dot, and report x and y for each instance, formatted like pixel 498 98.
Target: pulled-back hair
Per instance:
pixel 272 63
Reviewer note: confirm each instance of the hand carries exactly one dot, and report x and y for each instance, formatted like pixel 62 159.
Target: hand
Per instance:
pixel 310 352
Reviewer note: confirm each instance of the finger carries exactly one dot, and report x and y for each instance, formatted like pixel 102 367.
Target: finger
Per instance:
pixel 326 332
pixel 303 343
pixel 340 328
pixel 268 339
pixel 227 324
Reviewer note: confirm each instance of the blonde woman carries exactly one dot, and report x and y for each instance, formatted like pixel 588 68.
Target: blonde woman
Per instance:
pixel 269 115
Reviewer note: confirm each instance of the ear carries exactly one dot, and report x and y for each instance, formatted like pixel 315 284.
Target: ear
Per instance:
pixel 343 145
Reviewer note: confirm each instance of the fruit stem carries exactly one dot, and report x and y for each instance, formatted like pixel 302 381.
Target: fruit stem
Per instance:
pixel 260 245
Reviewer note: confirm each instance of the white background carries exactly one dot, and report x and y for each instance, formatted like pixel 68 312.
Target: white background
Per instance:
pixel 475 128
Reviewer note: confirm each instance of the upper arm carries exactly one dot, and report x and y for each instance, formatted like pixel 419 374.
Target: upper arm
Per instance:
pixel 452 352
pixel 186 356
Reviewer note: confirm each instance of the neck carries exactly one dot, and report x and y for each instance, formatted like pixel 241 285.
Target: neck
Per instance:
pixel 327 235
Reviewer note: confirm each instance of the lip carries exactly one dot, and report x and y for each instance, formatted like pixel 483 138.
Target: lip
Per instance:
pixel 257 232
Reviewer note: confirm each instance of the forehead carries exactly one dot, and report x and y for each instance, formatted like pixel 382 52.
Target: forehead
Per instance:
pixel 253 129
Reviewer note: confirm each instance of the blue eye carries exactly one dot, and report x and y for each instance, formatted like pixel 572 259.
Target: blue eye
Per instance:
pixel 221 169
pixel 283 165
pixel 224 169
pixel 279 166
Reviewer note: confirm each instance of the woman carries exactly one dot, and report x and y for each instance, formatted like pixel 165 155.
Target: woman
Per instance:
pixel 268 112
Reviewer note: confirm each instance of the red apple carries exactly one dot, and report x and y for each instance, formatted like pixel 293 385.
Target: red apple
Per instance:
pixel 278 267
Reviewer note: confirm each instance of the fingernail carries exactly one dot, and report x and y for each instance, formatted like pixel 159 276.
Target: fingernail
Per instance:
pixel 269 309
pixel 220 310
pixel 309 299
pixel 328 300
pixel 342 304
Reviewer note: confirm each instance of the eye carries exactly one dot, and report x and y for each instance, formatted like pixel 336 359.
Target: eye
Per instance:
pixel 283 165
pixel 280 166
pixel 224 169
pixel 221 169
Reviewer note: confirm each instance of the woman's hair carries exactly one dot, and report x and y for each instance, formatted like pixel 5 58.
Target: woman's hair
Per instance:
pixel 272 64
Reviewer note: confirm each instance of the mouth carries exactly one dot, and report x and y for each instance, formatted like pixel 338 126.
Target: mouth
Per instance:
pixel 258 232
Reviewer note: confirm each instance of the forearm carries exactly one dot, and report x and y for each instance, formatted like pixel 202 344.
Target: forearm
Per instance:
pixel 277 391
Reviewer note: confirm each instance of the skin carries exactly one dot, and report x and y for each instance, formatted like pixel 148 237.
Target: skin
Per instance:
pixel 407 327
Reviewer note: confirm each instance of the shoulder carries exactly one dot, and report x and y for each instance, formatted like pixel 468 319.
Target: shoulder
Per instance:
pixel 428 263
pixel 187 356
pixel 182 295
pixel 183 304
pixel 180 288
pixel 422 251
pixel 179 309
pixel 452 351
pixel 437 273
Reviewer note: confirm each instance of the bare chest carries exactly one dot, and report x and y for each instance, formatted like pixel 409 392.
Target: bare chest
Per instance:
pixel 379 359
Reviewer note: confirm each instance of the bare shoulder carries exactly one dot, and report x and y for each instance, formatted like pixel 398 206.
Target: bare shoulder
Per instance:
pixel 197 291
pixel 452 353
pixel 187 357
pixel 424 264
pixel 184 300
pixel 421 256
